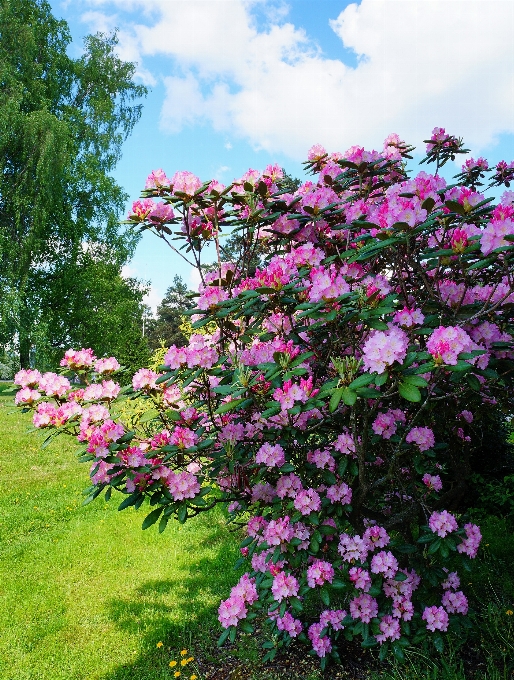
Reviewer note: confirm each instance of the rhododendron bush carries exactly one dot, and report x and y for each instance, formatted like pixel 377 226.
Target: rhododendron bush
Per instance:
pixel 332 405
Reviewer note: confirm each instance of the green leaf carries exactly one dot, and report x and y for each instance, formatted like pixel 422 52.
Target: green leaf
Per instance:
pixel 349 396
pixel 228 406
pixel 368 393
pixel 325 597
pixel 149 415
pixel 398 652
pixel 129 500
pixel 362 380
pixel 335 399
pixel 415 380
pixel 152 517
pixel 438 643
pixel 223 637
pixel 163 523
pixel 409 392
pixel 182 514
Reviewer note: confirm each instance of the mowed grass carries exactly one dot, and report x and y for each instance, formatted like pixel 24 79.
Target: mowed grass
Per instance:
pixel 84 593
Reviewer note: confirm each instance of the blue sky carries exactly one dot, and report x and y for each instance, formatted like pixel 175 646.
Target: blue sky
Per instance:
pixel 236 84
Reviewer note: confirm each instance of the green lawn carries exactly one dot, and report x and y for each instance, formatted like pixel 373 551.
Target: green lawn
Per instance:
pixel 84 593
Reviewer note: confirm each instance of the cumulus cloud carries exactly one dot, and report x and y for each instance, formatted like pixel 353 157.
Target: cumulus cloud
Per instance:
pixel 420 63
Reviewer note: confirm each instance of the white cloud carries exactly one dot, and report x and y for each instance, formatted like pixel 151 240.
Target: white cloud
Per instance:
pixel 421 63
pixel 194 280
pixel 153 298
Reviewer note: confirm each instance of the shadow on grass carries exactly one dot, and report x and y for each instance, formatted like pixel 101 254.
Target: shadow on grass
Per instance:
pixel 189 623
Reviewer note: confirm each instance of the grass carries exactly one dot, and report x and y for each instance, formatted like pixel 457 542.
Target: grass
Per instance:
pixel 86 595
pixel 84 592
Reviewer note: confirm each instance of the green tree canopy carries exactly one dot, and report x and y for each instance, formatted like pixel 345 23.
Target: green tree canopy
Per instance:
pixel 62 124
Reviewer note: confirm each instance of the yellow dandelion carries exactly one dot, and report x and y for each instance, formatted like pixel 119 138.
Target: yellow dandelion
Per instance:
pixel 193 677
pixel 173 663
pixel 183 652
pixel 176 674
pixel 191 658
pixel 183 662
pixel 159 644
pixel 509 612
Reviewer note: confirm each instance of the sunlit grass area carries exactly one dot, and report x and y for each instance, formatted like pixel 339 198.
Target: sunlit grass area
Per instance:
pixel 84 592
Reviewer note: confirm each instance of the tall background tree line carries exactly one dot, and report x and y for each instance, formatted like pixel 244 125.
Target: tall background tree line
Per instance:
pixel 62 125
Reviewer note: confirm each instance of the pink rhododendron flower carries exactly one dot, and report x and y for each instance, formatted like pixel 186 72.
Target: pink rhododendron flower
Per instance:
pixel 284 585
pixel 321 645
pixel 383 348
pixel 157 179
pixel 384 563
pixel 289 624
pixel 389 629
pixel 319 572
pixel 455 602
pixel 182 485
pixel 307 501
pixel 26 396
pixel 106 366
pixel 442 523
pixel 54 385
pixel 352 548
pixel 446 343
pixel 27 377
pixel 433 482
pixel 436 618
pixel 270 455
pixel 78 359
pixel 360 578
pixel 471 543
pixel 422 436
pixel 364 608
pixel 144 379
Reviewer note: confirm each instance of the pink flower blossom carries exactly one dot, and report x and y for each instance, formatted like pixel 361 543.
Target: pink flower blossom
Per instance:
pixel 446 343
pixel 360 578
pixel 289 624
pixel 384 563
pixel 27 396
pixel 231 611
pixel 319 572
pixel 471 543
pixel 182 485
pixel 433 482
pixel 442 523
pixel 144 379
pixel 106 366
pixel 436 618
pixel 307 501
pixel 78 359
pixel 364 608
pixel 339 493
pixel 284 585
pixel 54 385
pixel 455 602
pixel 383 348
pixel 389 629
pixel 27 377
pixel 321 645
pixel 422 436
pixel 376 537
pixel 270 455
pixel 157 179
pixel 352 548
